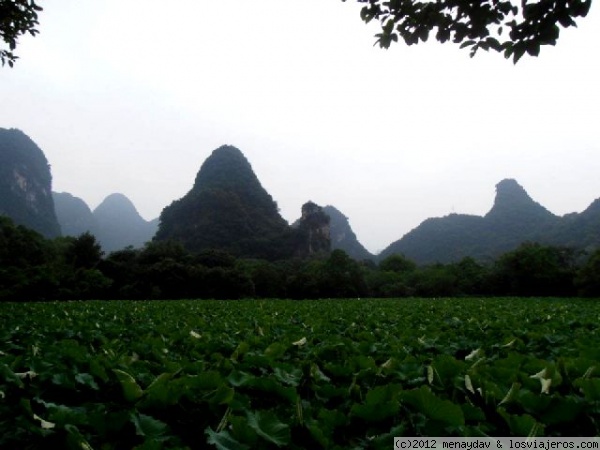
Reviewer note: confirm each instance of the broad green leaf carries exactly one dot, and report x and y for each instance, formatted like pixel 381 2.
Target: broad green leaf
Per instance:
pixel 9 375
pixel 87 380
pixel 75 439
pixel 380 403
pixel 131 390
pixel 427 403
pixel 522 425
pixel 315 372
pixel 148 426
pixel 292 377
pixel 510 395
pixel 223 440
pixel 269 427
pixel 275 350
pixel 238 378
pixel 590 387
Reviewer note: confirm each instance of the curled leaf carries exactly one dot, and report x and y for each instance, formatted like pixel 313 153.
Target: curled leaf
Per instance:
pixel 44 423
pixel 469 384
pixel 300 342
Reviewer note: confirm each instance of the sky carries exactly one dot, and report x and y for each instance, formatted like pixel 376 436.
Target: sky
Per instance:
pixel 132 96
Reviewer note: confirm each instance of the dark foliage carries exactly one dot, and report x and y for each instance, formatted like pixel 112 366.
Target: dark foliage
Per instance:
pixel 35 268
pixel 510 27
pixel 17 17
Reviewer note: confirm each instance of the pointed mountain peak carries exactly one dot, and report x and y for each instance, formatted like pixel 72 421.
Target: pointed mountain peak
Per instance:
pixel 508 190
pixel 227 209
pixel 115 205
pixel 225 168
pixel 511 198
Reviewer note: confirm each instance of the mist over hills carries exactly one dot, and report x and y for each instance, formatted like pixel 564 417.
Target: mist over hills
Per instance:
pixel 228 209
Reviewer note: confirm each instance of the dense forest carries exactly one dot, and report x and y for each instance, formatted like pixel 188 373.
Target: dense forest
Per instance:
pixel 34 268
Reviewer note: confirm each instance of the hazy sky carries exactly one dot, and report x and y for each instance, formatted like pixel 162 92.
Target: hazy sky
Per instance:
pixel 132 96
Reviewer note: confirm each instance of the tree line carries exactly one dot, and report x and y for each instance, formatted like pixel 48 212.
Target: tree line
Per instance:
pixel 33 268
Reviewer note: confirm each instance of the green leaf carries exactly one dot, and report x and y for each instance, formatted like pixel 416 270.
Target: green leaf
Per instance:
pixel 223 440
pixel 238 378
pixel 275 350
pixel 315 372
pixel 291 377
pixel 590 387
pixel 380 403
pixel 148 426
pixel 163 391
pixel 9 375
pixel 131 390
pixel 268 426
pixel 522 425
pixel 75 439
pixel 87 380
pixel 425 402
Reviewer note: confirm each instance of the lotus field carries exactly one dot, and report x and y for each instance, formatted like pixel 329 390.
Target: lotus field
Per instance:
pixel 295 374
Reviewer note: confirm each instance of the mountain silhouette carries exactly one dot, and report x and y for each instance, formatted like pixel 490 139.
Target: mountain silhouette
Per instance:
pixel 343 237
pixel 115 223
pixel 227 209
pixel 26 184
pixel 118 224
pixel 513 219
pixel 74 215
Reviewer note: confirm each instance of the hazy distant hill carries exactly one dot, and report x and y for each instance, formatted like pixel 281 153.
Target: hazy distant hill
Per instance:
pixel 26 184
pixel 119 224
pixel 116 222
pixel 513 219
pixel 342 236
pixel 74 215
pixel 228 209
pixel 579 230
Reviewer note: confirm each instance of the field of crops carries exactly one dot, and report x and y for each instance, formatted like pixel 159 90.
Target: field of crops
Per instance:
pixel 305 374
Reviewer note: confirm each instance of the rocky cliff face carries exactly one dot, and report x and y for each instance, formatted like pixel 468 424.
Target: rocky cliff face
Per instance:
pixel 227 209
pixel 26 184
pixel 343 237
pixel 314 231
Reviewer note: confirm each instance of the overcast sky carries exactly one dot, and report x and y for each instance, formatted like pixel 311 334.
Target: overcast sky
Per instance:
pixel 132 96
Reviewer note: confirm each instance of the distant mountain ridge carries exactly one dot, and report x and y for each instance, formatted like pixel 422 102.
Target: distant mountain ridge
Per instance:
pixel 115 223
pixel 513 219
pixel 26 184
pixel 227 208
